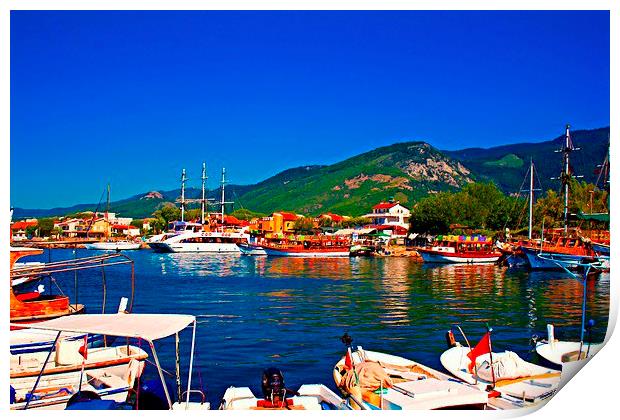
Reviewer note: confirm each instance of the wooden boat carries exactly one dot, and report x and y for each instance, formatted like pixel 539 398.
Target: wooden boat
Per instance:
pixel 460 249
pixel 148 328
pixel 308 246
pixel 34 306
pixel 527 385
pixel 408 385
pixel 277 397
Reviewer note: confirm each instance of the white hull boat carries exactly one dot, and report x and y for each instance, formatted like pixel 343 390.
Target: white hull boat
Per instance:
pixel 208 242
pixel 408 385
pixel 519 383
pixel 113 246
pixel 561 352
pixel 251 249
pixel 445 258
pixel 308 397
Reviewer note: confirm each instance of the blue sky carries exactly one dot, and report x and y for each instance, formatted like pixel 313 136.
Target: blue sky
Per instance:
pixel 130 98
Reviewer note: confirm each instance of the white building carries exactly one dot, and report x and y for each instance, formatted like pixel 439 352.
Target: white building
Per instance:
pixel 390 214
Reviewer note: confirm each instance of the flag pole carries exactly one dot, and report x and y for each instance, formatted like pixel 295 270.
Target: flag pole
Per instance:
pixel 489 330
pixel 84 355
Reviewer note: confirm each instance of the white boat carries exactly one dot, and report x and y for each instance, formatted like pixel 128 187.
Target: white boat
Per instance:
pixel 113 246
pixel 211 242
pixel 561 352
pixel 307 397
pixel 387 382
pixel 251 249
pixel 148 328
pixel 518 383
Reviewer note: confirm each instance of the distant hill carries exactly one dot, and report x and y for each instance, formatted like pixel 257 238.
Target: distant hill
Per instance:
pixel 402 171
pixel 508 165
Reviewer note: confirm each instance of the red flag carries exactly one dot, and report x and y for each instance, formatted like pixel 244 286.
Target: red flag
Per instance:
pixel 84 348
pixel 483 347
pixel 348 362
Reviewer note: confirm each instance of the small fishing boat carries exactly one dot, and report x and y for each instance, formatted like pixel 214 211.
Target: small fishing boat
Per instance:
pixel 561 352
pixel 460 249
pixel 277 397
pixel 309 246
pixel 511 381
pixel 145 328
pixel 382 381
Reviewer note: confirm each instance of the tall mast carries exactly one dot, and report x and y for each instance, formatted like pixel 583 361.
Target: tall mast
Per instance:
pixel 183 179
pixel 107 210
pixel 529 232
pixel 203 203
pixel 566 175
pixel 222 201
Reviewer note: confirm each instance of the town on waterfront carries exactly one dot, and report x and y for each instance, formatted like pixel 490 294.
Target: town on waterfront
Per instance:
pixel 400 275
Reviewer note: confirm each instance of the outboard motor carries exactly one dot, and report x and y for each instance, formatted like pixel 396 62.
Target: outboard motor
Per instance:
pixel 273 386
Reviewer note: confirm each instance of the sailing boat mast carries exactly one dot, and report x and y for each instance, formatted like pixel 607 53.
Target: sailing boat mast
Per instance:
pixel 107 211
pixel 203 203
pixel 222 201
pixel 529 232
pixel 183 179
pixel 566 175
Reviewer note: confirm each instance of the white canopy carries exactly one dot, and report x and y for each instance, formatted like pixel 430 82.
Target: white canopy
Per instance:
pixel 147 326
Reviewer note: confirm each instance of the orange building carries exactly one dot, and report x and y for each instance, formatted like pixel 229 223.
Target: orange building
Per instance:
pixel 278 223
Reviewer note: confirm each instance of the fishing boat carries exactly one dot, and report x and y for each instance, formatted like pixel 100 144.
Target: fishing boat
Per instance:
pixel 561 352
pixel 474 249
pixel 309 246
pixel 277 397
pixel 34 306
pixel 511 381
pixel 386 382
pixel 143 328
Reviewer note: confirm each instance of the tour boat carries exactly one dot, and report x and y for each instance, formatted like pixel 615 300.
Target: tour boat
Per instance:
pixel 309 246
pixel 385 382
pixel 212 242
pixel 277 397
pixel 460 249
pixel 511 381
pixel 561 251
pixel 561 352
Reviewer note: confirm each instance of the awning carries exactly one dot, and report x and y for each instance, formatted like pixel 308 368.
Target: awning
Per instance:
pixel 147 326
pixel 598 217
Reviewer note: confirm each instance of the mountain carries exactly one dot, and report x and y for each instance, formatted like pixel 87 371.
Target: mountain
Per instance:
pixel 402 171
pixel 508 165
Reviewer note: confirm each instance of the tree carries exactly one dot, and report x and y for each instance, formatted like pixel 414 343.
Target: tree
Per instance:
pixel 31 231
pixel 304 225
pixel 46 225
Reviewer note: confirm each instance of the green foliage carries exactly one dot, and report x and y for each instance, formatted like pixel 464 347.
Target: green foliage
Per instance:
pixel 165 214
pixel 509 161
pixel 355 222
pixel 45 226
pixel 137 223
pixel 245 214
pixel 480 206
pixel 304 225
pixel 31 231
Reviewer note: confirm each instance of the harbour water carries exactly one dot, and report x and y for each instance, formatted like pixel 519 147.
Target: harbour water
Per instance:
pixel 257 312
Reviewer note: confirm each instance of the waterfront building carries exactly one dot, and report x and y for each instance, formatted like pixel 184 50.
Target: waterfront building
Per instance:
pixel 281 222
pixel 18 229
pixel 390 214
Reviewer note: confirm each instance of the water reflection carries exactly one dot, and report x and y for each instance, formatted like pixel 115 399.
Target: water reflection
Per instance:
pixel 259 311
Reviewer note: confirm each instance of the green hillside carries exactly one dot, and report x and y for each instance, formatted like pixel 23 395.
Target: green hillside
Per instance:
pixel 500 164
pixel 403 171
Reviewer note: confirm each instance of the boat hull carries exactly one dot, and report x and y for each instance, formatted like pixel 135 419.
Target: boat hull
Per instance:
pixel 248 249
pixel 112 246
pixel 451 258
pixel 307 254
pixel 551 260
pixel 213 248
